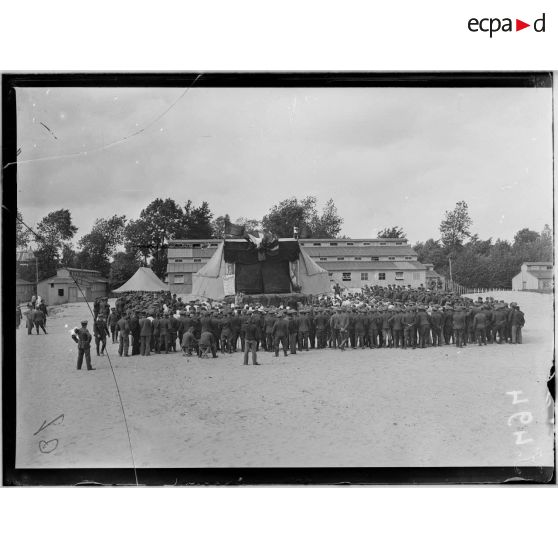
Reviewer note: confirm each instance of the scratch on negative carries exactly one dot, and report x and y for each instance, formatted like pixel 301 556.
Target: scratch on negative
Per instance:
pixel 110 144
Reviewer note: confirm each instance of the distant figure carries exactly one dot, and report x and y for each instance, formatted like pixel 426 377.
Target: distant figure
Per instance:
pixel 39 320
pixel 83 339
pixel 29 318
pixel 19 317
pixel 517 321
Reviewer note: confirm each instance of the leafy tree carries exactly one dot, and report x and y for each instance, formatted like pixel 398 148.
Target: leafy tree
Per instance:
pixel 251 226
pixel 53 231
pixel 69 255
pixel 455 227
pixel 478 246
pixel 328 224
pixel 122 267
pixel 99 245
pixel 218 225
pixel 290 213
pixel 22 232
pixel 197 221
pixel 525 236
pixel 393 232
pixel 433 252
pixel 161 221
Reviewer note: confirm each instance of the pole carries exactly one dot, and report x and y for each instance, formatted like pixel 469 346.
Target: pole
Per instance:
pixel 36 275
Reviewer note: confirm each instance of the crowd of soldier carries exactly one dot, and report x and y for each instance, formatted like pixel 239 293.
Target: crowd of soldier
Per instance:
pixel 35 314
pixel 356 322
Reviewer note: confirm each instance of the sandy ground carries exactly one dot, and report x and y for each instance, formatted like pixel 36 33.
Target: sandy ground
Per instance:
pixel 382 408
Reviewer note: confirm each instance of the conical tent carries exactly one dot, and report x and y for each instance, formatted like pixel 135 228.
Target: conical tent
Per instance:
pixel 143 280
pixel 212 281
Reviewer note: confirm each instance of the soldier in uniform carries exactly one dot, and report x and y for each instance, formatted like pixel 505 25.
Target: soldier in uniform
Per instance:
pixel 459 319
pixel 113 320
pixel 320 322
pixel 146 332
pixel 408 320
pixel 436 320
pixel 163 333
pixel 83 339
pixel 123 329
pixel 269 320
pixel 517 321
pixel 100 330
pixel 293 331
pixel 360 323
pixel 303 331
pixel 207 341
pixel 423 326
pixel 19 317
pixel 39 320
pixel 396 325
pixel 251 340
pixel 280 332
pixel 135 331
pixel 479 323
pixel 189 342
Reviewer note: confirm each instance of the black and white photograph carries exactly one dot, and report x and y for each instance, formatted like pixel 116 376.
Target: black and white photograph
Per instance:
pixel 256 272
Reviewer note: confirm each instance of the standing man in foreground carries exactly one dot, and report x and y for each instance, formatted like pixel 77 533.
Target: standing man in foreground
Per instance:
pixel 251 340
pixel 83 339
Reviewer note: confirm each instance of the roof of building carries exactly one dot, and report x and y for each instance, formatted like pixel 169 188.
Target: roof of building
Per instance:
pixel 537 263
pixel 23 282
pixel 316 251
pixel 353 240
pixel 82 270
pixel 541 273
pixel 372 266
pixel 432 273
pixel 81 280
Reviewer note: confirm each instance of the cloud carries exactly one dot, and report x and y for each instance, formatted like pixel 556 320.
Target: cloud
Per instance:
pixel 386 156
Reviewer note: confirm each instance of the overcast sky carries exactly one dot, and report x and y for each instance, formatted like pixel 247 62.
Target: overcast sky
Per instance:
pixel 387 156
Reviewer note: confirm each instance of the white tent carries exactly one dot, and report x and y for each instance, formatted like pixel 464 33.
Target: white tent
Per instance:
pixel 215 279
pixel 143 280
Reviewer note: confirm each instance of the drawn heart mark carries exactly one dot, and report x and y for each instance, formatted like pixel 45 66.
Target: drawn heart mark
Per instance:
pixel 48 447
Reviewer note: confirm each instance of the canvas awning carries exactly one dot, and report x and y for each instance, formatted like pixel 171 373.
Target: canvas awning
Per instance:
pixel 143 280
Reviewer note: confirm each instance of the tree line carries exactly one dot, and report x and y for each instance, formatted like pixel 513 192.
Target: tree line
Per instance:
pixel 116 246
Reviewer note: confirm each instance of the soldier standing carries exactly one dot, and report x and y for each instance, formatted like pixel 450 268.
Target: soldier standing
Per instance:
pixel 100 330
pixel 112 321
pixel 268 328
pixel 146 331
pixel 39 320
pixel 123 327
pixel 251 340
pixel 293 332
pixel 18 316
pixel 517 321
pixel 83 339
pixel 280 332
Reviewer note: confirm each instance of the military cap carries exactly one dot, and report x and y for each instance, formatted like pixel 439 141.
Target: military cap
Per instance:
pixel 84 322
